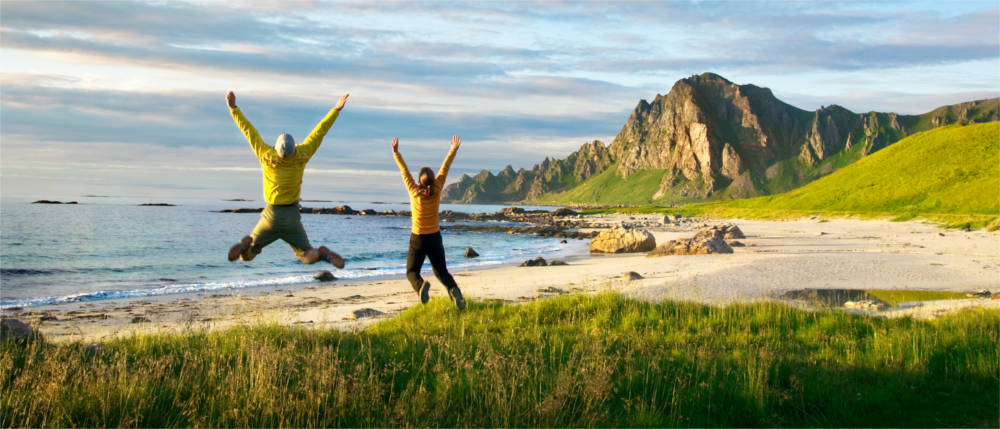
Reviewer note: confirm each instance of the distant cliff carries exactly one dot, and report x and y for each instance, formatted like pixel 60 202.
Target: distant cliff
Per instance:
pixel 709 138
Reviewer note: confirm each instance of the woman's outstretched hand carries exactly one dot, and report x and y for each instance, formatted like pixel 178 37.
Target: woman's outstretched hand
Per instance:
pixel 455 142
pixel 395 145
pixel 231 99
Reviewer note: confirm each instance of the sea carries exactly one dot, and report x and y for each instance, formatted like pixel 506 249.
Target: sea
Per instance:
pixel 113 247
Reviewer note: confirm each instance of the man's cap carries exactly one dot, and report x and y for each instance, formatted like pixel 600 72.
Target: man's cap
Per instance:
pixel 285 146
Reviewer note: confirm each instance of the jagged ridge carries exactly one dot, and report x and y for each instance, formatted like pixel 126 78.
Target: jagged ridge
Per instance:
pixel 709 138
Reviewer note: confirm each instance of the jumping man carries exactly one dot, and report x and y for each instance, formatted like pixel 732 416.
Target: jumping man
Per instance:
pixel 282 166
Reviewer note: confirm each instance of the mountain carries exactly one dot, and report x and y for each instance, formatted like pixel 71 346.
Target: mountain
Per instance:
pixel 953 169
pixel 708 139
pixel 549 176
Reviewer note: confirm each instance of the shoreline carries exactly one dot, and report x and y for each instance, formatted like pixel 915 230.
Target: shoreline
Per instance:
pixel 778 256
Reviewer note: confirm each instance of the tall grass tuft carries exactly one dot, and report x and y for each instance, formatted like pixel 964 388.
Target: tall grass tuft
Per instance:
pixel 575 360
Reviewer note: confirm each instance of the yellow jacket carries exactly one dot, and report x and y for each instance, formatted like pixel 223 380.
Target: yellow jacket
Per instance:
pixel 425 209
pixel 283 176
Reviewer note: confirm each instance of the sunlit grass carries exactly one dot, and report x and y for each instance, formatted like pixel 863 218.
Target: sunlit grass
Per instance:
pixel 896 297
pixel 573 360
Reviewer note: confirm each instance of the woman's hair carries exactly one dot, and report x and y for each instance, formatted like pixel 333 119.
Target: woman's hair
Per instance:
pixel 425 182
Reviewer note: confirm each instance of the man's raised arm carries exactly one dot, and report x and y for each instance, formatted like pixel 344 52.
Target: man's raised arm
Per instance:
pixel 256 142
pixel 312 142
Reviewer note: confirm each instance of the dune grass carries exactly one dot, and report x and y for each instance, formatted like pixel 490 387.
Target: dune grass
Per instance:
pixel 574 360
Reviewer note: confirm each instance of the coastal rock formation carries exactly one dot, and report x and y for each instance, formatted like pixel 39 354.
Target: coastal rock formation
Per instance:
pixel 623 240
pixel 706 241
pixel 710 138
pixel 548 176
pixel 13 329
pixel 52 202
pixel 471 253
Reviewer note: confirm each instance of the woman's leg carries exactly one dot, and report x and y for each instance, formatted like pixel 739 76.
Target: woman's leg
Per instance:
pixel 414 262
pixel 435 252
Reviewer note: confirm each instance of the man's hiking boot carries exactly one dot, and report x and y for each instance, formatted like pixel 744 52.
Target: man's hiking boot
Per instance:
pixel 424 292
pixel 330 256
pixel 239 248
pixel 456 296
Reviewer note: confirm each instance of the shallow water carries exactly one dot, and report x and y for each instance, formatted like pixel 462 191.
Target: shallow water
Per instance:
pixel 107 248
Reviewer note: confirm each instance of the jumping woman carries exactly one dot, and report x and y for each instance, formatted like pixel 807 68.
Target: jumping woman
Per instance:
pixel 425 233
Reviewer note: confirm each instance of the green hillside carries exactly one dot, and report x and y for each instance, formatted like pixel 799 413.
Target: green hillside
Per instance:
pixel 609 188
pixel 945 173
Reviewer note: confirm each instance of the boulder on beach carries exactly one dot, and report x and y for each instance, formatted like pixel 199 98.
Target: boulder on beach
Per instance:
pixel 470 252
pixel 623 240
pixel 362 313
pixel 537 262
pixel 325 276
pixel 13 329
pixel 140 319
pixel 632 275
pixel 706 241
pixel 557 262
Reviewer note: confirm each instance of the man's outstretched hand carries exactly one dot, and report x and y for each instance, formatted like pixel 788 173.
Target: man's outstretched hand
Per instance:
pixel 342 102
pixel 455 142
pixel 395 145
pixel 231 99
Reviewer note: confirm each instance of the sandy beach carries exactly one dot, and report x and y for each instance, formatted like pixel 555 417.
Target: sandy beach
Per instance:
pixel 777 256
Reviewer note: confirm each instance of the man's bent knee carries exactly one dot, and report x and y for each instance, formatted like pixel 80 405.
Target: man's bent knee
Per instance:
pixel 308 257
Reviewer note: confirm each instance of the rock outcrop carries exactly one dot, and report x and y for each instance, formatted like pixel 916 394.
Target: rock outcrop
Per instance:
pixel 707 241
pixel 712 138
pixel 623 240
pixel 325 276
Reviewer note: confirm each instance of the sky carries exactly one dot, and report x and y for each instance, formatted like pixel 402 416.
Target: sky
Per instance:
pixel 126 98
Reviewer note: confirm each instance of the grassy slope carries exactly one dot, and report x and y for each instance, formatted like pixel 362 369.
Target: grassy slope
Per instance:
pixel 569 361
pixel 949 174
pixel 609 188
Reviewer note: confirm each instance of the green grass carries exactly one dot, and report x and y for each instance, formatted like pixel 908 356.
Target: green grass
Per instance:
pixel 896 297
pixel 609 188
pixel 950 175
pixel 574 360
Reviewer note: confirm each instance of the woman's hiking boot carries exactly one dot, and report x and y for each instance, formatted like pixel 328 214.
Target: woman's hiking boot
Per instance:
pixel 456 296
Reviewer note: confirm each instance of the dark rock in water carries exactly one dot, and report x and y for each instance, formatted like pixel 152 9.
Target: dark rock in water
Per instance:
pixel 537 262
pixel 140 319
pixel 52 202
pixel 632 275
pixel 562 241
pixel 367 212
pixel 470 252
pixel 363 313
pixel 13 329
pixel 325 276
pixel 156 205
pixel 557 262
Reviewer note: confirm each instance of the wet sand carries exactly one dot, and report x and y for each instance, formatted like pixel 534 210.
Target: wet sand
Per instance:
pixel 778 256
